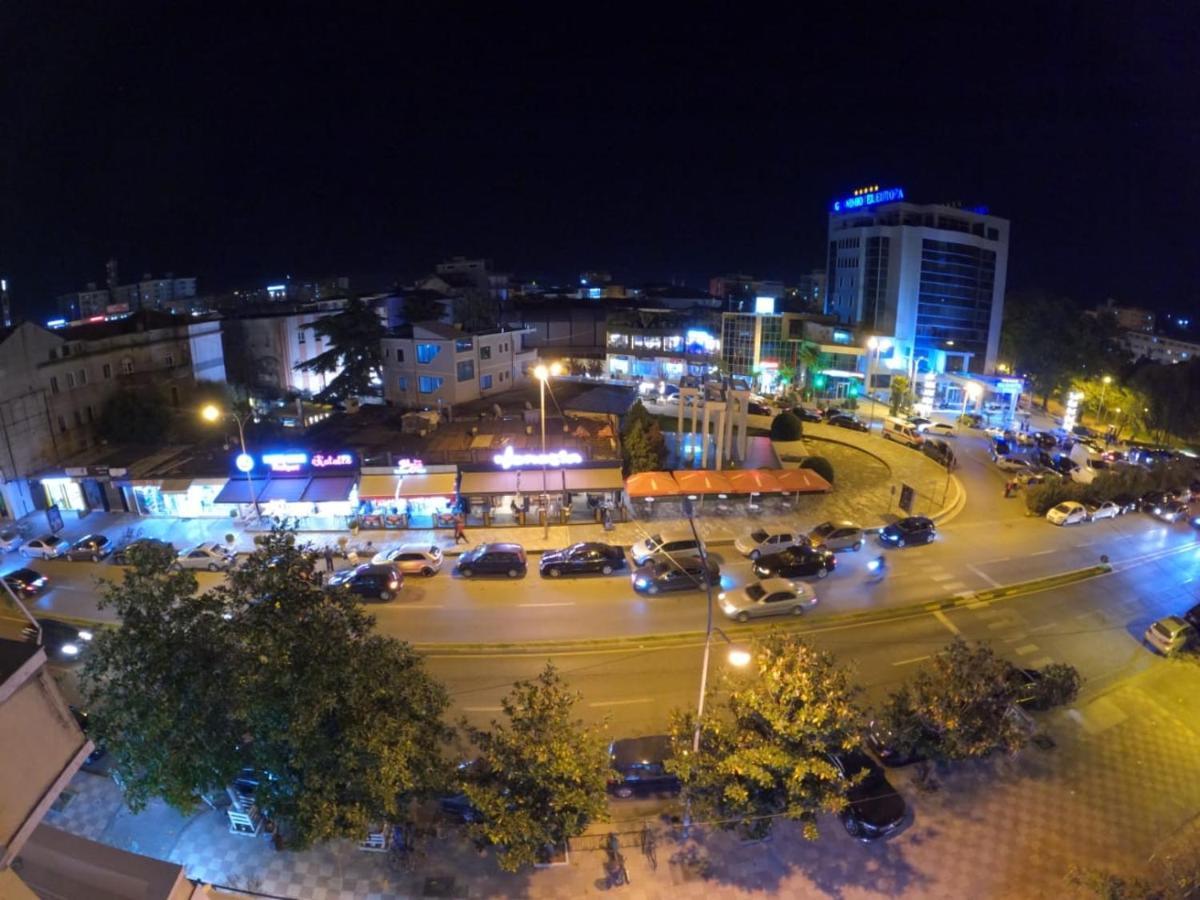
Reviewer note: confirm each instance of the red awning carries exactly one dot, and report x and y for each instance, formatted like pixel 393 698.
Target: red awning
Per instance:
pixel 652 484
pixel 754 481
pixel 703 482
pixel 802 481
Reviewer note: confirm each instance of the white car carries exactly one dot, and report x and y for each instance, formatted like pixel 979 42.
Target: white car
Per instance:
pixel 10 539
pixel 211 556
pixel 769 597
pixel 48 546
pixel 1012 464
pixel 1106 510
pixel 761 541
pixel 941 429
pixel 994 431
pixel 1170 635
pixel 412 559
pixel 1067 513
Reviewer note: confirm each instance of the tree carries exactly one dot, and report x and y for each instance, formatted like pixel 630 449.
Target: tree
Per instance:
pixel 353 337
pixel 901 395
pixel 1040 336
pixel 786 427
pixel 541 776
pixel 424 306
pixel 266 672
pixel 595 368
pixel 135 416
pixel 764 750
pixel 820 465
pixel 643 445
pixel 475 310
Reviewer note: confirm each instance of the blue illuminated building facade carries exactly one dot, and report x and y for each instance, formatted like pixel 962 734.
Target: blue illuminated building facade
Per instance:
pixel 929 278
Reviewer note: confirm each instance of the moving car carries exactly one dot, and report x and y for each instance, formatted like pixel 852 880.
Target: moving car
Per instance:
pixel 999 447
pixel 1068 512
pixel 938 450
pixel 873 808
pixel 370 581
pixel 640 766
pixel 93 547
pixel 493 559
pixel 412 559
pixel 582 559
pixel 1106 510
pixel 1012 464
pixel 48 546
pixel 1045 440
pixel 769 597
pixel 25 581
pixel 674 544
pixel 1170 635
pixel 806 415
pixel 844 420
pixel 796 562
pixel 62 642
pixel 761 541
pixel 10 539
pixel 1170 511
pixel 1127 503
pixel 209 555
pixel 901 431
pixel 910 530
pixel 661 575
pixel 755 408
pixel 121 556
pixel 837 535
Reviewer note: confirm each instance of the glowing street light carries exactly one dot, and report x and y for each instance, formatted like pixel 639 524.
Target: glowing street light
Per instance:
pixel 542 373
pixel 245 462
pixel 1105 382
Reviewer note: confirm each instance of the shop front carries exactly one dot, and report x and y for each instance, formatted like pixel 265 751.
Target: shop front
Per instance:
pixel 407 495
pixel 591 491
pixel 84 489
pixel 293 487
pixel 179 498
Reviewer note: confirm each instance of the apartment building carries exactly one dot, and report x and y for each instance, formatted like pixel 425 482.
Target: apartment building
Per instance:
pixel 263 346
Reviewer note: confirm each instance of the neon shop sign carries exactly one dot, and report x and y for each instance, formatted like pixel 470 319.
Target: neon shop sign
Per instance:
pixel 553 460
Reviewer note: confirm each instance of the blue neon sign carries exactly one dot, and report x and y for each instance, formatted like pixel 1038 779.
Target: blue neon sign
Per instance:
pixel 869 197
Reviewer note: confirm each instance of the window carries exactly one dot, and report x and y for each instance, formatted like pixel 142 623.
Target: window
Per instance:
pixel 53 353
pixel 127 365
pixel 466 370
pixel 463 345
pixel 485 351
pixel 107 371
pixel 66 349
pixel 399 354
pixel 426 352
pixel 485 382
pixel 402 382
pixel 70 381
pixel 430 385
pixel 303 336
pixel 54 384
pixel 62 425
pixel 78 419
pixel 91 414
pixel 81 376
pixel 170 360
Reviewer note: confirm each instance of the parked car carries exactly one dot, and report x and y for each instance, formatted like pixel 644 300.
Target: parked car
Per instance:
pixel 661 575
pixel 1045 440
pixel 873 808
pixel 10 539
pixel 62 642
pixel 1170 511
pixel 675 544
pixel 640 766
pixel 910 530
pixel 91 547
pixel 938 450
pixel 582 559
pixel 371 581
pixel 48 546
pixel 796 562
pixel 1192 617
pixel 769 597
pixel 806 415
pixel 930 427
pixel 758 409
pixel 999 447
pixel 1035 475
pixel 1014 464
pixel 493 559
pixel 209 555
pixel 1069 512
pixel 25 581
pixel 761 541
pixel 122 555
pixel 839 535
pixel 1104 510
pixel 882 744
pixel 1170 635
pixel 1126 503
pixel 412 559
pixel 82 720
pixel 844 420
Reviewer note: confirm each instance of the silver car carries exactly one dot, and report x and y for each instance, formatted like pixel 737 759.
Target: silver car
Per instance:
pixel 1170 635
pixel 210 555
pixel 769 597
pixel 412 559
pixel 48 546
pixel 760 542
pixel 843 535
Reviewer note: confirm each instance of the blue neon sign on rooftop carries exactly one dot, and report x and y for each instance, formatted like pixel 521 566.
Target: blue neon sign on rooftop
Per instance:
pixel 868 196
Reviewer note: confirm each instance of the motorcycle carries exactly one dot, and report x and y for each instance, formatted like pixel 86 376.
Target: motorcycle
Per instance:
pixel 876 569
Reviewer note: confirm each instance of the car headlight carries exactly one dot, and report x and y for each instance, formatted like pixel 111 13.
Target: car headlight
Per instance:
pixel 85 635
pixel 393 584
pixel 640 582
pixel 721 596
pixel 70 649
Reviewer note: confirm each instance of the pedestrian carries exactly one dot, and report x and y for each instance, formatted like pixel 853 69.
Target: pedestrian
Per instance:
pixel 460 531
pixel 328 558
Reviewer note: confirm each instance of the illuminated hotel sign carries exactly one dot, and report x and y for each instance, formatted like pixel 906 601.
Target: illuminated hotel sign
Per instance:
pixel 868 196
pixel 554 460
pixel 324 460
pixel 297 462
pixel 284 462
pixel 409 467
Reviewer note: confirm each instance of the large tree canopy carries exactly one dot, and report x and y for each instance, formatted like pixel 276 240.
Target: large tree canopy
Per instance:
pixel 140 416
pixel 353 336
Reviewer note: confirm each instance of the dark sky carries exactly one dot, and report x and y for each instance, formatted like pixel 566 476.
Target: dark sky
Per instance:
pixel 241 143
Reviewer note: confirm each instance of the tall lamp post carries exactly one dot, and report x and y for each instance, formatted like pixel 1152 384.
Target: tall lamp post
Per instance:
pixel 1104 383
pixel 542 373
pixel 876 346
pixel 213 413
pixel 971 391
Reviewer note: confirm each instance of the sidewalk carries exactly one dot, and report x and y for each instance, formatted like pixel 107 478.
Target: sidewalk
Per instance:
pixel 1121 783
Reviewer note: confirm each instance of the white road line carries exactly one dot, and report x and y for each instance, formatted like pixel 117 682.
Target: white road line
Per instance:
pixel 622 702
pixel 572 603
pixel 482 708
pixel 941 576
pixel 954 586
pixel 915 659
pixel 997 559
pixel 1043 552
pixel 1085 543
pixel 421 606
pixel 941 617
pixel 1049 626
pixel 986 577
pixel 1025 650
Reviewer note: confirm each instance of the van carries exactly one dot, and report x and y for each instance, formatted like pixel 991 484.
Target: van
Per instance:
pixel 675 544
pixel 902 432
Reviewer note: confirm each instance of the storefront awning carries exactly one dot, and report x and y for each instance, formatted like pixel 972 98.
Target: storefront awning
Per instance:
pixel 378 487
pixel 802 481
pixel 702 482
pixel 436 484
pixel 753 481
pixel 594 479
pixel 499 482
pixel 146 483
pixel 329 489
pixel 289 490
pixel 239 490
pixel 175 485
pixel 652 484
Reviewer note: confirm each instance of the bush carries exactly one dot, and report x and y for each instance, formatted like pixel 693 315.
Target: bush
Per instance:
pixel 786 427
pixel 1059 685
pixel 820 465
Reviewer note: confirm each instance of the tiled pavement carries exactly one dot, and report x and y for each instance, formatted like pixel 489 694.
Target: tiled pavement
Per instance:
pixel 1122 778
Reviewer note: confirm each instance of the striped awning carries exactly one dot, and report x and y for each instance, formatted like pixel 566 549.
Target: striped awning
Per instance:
pixel 802 481
pixel 754 481
pixel 703 481
pixel 652 484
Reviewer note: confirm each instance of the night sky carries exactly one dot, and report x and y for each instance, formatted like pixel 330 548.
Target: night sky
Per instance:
pixel 247 142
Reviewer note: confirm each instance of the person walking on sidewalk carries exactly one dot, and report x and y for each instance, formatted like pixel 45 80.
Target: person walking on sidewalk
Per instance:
pixel 328 558
pixel 460 531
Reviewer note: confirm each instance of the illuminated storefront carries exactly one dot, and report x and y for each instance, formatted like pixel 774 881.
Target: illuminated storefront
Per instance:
pixel 407 495
pixel 182 498
pixel 292 484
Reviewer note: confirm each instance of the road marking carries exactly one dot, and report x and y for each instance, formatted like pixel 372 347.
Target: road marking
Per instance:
pixel 915 659
pixel 956 586
pixel 1085 543
pixel 1049 626
pixel 941 576
pixel 481 708
pixel 421 606
pixel 1043 552
pixel 941 617
pixel 622 702
pixel 572 603
pixel 986 577
pixel 997 559
pixel 1025 649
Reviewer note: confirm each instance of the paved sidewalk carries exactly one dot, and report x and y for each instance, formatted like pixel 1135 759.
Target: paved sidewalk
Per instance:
pixel 1121 783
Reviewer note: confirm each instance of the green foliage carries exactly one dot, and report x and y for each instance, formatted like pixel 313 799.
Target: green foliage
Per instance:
pixel 475 311
pixel 540 777
pixel 820 465
pixel 140 416
pixel 268 672
pixel 1112 483
pixel 423 306
pixel 1107 886
pixel 354 336
pixel 1059 685
pixel 1171 398
pixel 763 750
pixel 901 395
pixel 786 427
pixel 1041 498
pixel 643 445
pixel 1175 876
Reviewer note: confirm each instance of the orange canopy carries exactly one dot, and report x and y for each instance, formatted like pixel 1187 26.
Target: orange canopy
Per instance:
pixel 753 481
pixel 651 484
pixel 703 481
pixel 801 480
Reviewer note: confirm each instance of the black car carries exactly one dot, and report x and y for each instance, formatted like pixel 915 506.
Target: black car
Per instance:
pixel 882 744
pixel 1171 511
pixel 757 409
pixel 62 642
pixel 640 764
pixel 493 559
pixel 582 559
pixel 122 555
pixel 806 415
pixel 25 581
pixel 1000 447
pixel 1153 500
pixel 1126 503
pixel 841 420
pixel 1045 440
pixel 660 575
pixel 911 530
pixel 873 808
pixel 795 562
pixel 370 581
pixel 938 450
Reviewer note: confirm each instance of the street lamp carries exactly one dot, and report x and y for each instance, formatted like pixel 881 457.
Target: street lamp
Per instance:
pixel 1105 382
pixel 213 413
pixel 971 391
pixel 542 373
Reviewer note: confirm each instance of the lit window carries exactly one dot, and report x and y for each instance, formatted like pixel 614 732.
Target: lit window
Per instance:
pixel 466 370
pixel 485 382
pixel 430 384
pixel 426 352
pixel 402 383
